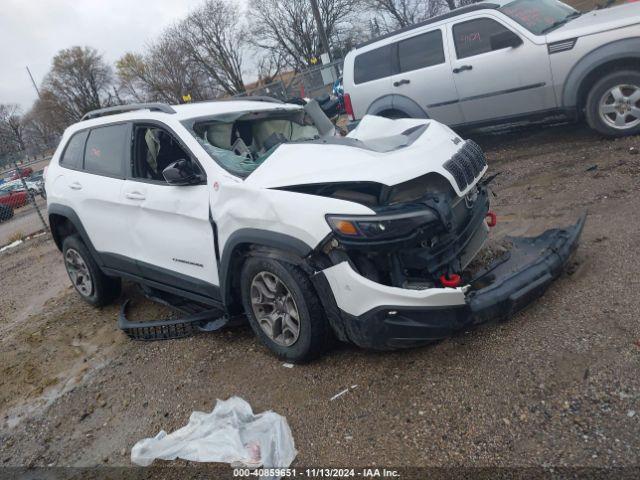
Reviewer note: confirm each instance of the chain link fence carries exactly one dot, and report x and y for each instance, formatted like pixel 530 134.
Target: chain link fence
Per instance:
pixel 22 194
pixel 310 83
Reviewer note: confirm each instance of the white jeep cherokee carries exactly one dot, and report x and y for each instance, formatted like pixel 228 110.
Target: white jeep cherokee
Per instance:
pixel 259 207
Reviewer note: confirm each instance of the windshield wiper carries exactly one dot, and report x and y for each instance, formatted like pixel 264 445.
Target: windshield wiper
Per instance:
pixel 559 23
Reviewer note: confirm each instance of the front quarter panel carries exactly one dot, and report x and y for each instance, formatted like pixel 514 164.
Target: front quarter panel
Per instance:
pixel 571 67
pixel 297 215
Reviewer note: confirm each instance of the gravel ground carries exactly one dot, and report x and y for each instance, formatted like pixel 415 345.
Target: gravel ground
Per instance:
pixel 555 385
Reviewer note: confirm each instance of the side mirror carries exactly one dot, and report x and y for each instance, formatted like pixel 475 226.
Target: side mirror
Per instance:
pixel 506 39
pixel 181 172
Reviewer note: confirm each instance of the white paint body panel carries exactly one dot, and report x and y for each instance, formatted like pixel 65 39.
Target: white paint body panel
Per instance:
pixel 300 164
pixel 171 227
pixel 357 295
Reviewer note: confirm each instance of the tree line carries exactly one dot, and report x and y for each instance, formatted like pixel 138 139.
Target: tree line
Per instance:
pixel 209 53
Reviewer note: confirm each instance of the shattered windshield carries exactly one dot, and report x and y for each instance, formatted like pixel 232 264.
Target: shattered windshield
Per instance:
pixel 539 16
pixel 240 142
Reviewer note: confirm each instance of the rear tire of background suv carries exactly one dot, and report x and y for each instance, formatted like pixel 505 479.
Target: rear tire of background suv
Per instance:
pixel 104 289
pixel 393 114
pixel 314 331
pixel 595 97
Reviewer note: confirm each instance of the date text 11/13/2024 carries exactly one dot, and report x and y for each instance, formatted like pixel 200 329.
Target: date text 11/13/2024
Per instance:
pixel 317 472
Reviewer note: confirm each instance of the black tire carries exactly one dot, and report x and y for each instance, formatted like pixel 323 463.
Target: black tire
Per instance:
pixel 394 114
pixel 314 330
pixel 104 289
pixel 597 92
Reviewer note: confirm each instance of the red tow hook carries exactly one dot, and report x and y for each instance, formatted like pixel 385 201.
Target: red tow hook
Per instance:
pixel 492 219
pixel 452 280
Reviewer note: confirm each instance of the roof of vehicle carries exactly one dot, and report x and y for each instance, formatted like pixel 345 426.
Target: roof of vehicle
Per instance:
pixel 179 112
pixel 438 18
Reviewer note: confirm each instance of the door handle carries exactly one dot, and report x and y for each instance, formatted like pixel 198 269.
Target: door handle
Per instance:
pixel 75 186
pixel 404 81
pixel 135 196
pixel 462 68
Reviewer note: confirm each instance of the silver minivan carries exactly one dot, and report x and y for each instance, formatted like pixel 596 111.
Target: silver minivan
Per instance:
pixel 504 61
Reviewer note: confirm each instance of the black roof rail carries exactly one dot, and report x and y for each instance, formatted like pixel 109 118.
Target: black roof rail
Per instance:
pixel 429 21
pixel 154 107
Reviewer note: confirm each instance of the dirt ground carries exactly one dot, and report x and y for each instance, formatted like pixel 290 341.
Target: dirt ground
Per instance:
pixel 557 384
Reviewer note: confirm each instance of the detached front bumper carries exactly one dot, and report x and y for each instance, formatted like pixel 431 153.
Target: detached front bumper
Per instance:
pixel 379 317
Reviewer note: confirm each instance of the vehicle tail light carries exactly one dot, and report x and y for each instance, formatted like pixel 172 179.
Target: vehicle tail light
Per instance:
pixel 348 107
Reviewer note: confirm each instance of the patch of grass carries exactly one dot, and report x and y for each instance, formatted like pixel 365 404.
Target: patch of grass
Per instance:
pixel 16 236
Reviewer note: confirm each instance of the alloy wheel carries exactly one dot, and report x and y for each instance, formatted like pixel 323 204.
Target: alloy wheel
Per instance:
pixel 275 309
pixel 78 272
pixel 619 107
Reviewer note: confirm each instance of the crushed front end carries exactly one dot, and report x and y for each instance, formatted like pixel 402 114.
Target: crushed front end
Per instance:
pixel 399 278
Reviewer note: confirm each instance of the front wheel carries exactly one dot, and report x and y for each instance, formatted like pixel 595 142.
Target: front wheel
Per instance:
pixel 283 309
pixel 613 104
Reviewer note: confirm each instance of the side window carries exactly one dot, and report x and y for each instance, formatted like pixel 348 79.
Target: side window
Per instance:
pixel 73 152
pixel 107 150
pixel 421 51
pixel 474 37
pixel 155 149
pixel 373 65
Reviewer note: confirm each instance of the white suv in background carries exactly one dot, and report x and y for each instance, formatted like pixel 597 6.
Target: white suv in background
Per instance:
pixel 259 207
pixel 504 61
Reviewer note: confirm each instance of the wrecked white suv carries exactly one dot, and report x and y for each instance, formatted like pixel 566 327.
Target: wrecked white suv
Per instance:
pixel 260 208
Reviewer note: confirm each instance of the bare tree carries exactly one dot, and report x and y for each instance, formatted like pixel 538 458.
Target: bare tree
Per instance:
pixel 12 130
pixel 389 15
pixel 287 27
pixel 453 4
pixel 44 122
pixel 79 80
pixel 164 73
pixel 213 40
pixel 401 13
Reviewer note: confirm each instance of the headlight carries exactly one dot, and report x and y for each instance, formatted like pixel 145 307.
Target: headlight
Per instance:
pixel 380 227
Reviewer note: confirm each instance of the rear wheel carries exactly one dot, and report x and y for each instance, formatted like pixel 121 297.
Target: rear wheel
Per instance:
pixel 86 277
pixel 394 114
pixel 613 104
pixel 283 309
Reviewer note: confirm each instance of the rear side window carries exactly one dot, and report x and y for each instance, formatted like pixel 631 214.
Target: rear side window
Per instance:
pixel 474 37
pixel 373 65
pixel 108 149
pixel 72 156
pixel 421 51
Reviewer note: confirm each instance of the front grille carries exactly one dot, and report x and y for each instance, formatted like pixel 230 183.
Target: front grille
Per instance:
pixel 466 164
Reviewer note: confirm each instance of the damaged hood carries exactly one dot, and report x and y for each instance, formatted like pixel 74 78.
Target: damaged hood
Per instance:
pixel 379 150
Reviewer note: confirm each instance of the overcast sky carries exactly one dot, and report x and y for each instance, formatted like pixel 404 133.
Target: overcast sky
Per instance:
pixel 32 31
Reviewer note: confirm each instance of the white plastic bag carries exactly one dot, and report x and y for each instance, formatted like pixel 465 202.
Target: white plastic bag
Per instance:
pixel 231 433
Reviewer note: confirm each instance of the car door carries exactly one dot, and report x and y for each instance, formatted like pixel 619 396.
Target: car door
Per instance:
pixel 170 227
pixel 425 76
pixel 494 81
pixel 93 189
pixel 372 72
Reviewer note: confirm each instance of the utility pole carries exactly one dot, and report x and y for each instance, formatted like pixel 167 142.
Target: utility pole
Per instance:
pixel 323 33
pixel 33 82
